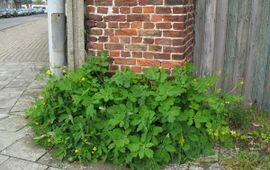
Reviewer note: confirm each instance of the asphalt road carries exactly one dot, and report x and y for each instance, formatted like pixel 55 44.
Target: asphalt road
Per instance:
pixel 6 23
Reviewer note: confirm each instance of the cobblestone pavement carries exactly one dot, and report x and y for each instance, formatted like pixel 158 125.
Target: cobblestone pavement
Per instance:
pixel 23 53
pixel 25 43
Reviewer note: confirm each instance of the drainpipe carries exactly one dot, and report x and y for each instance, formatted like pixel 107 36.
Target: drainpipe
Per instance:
pixel 57 36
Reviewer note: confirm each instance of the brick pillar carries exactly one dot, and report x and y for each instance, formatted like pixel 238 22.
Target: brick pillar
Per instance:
pixel 141 33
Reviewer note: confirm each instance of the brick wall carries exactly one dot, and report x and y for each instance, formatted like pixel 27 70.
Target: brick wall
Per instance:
pixel 141 33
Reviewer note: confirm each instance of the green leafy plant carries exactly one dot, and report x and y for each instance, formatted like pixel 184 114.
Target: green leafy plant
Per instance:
pixel 138 121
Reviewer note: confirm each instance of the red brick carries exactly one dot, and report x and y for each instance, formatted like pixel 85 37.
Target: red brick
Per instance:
pixel 148 40
pixel 113 25
pixel 155 48
pixel 93 17
pixel 101 25
pixel 178 42
pixel 91 24
pixel 136 69
pixel 148 55
pixel 176 2
pixel 114 46
pixel 125 40
pixel 124 25
pixel 137 10
pixel 109 32
pixel 136 39
pixel 179 26
pixel 125 10
pixel 92 39
pixel 136 48
pixel 136 25
pixel 152 33
pixel 103 39
pixel 125 2
pixel 89 2
pixel 150 2
pixel 174 33
pixel 164 25
pixel 114 68
pixel 103 2
pixel 115 10
pixel 156 18
pixel 114 39
pixel 125 61
pixel 114 53
pixel 111 18
pixel 163 41
pixel 90 9
pixel 163 10
pixel 148 25
pixel 129 32
pixel 96 31
pixel 95 46
pixel 125 54
pixel 171 64
pixel 135 17
pixel 102 10
pixel 179 10
pixel 162 56
pixel 144 62
pixel 137 54
pixel 178 57
pixel 173 18
pixel 148 9
pixel 174 49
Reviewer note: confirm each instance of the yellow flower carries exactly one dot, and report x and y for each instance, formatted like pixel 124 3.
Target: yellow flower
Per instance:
pixel 94 149
pixel 49 140
pixel 48 72
pixel 76 150
pixel 242 82
pixel 83 79
pixel 233 133
pixel 227 102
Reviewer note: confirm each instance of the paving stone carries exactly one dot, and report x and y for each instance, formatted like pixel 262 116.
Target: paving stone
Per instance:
pixel 216 166
pixel 51 168
pixel 26 131
pixel 2 116
pixel 5 111
pixel 18 83
pixel 47 159
pixel 8 99
pixel 12 123
pixel 17 164
pixel 3 158
pixel 25 149
pixel 8 138
pixel 195 166
pixel 17 113
pixel 37 84
pixel 176 167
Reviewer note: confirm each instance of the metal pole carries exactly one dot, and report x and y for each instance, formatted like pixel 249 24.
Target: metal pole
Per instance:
pixel 57 36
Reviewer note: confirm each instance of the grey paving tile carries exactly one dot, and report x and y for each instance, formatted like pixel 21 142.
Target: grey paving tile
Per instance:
pixel 17 164
pixel 3 158
pixel 8 138
pixel 18 83
pixel 5 111
pixel 8 99
pixel 2 116
pixel 47 159
pixel 25 149
pixel 12 123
